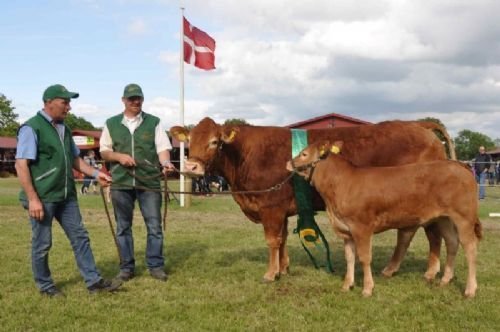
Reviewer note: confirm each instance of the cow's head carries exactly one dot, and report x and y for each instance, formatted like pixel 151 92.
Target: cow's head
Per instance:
pixel 307 159
pixel 205 141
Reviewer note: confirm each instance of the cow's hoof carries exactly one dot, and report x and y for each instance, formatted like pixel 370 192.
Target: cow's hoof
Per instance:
pixel 469 294
pixel 346 288
pixel 445 281
pixel 266 280
pixel 429 278
pixel 367 293
pixel 387 273
pixel 285 271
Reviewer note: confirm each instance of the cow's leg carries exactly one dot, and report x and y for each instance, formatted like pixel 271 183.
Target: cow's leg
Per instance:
pixel 433 233
pixel 470 249
pixel 284 259
pixel 364 250
pixel 272 220
pixel 449 233
pixel 350 257
pixel 469 241
pixel 405 236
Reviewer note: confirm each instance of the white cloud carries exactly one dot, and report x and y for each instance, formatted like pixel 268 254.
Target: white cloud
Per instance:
pixel 284 61
pixel 138 27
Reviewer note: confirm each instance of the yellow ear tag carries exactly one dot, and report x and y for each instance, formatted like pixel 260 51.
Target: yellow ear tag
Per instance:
pixel 182 137
pixel 322 151
pixel 335 149
pixel 231 136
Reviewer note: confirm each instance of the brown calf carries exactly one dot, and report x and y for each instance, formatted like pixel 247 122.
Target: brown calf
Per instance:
pixel 252 158
pixel 364 201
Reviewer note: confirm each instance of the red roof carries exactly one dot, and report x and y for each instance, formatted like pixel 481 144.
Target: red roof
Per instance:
pixel 97 135
pixel 328 116
pixel 8 142
pixel 91 133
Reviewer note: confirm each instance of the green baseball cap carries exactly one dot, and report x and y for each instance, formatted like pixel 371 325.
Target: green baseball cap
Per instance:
pixel 132 90
pixel 58 91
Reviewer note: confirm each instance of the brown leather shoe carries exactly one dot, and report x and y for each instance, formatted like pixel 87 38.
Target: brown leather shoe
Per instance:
pixel 104 285
pixel 52 292
pixel 159 274
pixel 125 275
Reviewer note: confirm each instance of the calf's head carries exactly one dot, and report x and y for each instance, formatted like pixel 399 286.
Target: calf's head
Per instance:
pixel 205 142
pixel 307 159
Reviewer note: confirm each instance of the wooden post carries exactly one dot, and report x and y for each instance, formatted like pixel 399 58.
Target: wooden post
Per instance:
pixel 188 187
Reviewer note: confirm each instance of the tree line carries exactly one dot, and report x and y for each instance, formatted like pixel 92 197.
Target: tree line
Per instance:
pixel 467 141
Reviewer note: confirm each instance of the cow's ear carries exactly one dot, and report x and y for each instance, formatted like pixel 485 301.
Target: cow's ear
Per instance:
pixel 229 133
pixel 322 150
pixel 180 133
pixel 336 147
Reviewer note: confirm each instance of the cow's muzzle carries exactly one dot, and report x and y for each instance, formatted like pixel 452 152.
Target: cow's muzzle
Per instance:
pixel 194 168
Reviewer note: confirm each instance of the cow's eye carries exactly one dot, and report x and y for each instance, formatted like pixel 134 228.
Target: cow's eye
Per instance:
pixel 213 143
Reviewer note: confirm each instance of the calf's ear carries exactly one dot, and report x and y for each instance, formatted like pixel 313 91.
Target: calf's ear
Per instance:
pixel 229 133
pixel 323 147
pixel 336 147
pixel 180 133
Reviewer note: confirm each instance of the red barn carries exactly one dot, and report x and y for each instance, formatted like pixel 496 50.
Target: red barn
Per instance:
pixel 328 121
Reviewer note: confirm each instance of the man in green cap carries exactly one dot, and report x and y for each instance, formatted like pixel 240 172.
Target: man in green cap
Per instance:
pixel 136 145
pixel 45 158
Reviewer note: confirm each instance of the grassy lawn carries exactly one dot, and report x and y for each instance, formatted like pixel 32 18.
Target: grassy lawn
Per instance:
pixel 216 258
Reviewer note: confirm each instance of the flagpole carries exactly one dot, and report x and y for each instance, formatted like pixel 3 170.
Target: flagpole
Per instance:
pixel 182 189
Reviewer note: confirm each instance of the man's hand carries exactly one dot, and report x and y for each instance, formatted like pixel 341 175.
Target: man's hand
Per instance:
pixel 103 179
pixel 167 167
pixel 126 160
pixel 35 209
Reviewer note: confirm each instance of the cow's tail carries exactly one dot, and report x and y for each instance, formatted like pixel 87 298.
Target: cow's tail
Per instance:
pixel 478 229
pixel 434 126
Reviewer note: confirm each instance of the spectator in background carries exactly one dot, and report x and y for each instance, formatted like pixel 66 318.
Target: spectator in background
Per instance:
pixel 491 174
pixel 497 171
pixel 89 180
pixel 481 166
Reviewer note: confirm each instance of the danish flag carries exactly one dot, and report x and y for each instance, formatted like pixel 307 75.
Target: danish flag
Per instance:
pixel 199 47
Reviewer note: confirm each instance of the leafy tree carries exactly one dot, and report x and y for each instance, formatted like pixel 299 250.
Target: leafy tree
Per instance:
pixel 467 144
pixel 77 122
pixel 497 142
pixel 236 122
pixel 8 123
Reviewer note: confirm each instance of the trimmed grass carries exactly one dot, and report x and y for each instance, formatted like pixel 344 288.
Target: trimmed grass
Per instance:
pixel 216 258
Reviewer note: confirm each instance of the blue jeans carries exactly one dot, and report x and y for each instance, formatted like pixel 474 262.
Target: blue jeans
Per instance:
pixel 150 205
pixel 67 213
pixel 481 180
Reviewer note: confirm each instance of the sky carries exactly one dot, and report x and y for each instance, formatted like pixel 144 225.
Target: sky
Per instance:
pixel 278 61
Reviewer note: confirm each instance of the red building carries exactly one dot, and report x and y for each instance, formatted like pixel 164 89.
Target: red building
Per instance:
pixel 328 121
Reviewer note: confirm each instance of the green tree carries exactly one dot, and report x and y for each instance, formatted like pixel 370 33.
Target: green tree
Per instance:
pixel 467 144
pixel 77 122
pixel 8 119
pixel 236 122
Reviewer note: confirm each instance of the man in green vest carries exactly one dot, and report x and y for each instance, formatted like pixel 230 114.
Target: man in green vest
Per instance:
pixel 45 158
pixel 136 145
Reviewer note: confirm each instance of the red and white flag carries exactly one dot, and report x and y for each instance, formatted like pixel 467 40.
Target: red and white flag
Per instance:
pixel 199 47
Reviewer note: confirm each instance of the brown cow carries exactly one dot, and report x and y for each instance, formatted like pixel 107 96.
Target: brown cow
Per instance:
pixel 252 158
pixel 361 201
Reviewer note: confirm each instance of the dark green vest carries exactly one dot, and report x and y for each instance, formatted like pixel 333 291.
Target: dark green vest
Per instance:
pixel 52 171
pixel 141 146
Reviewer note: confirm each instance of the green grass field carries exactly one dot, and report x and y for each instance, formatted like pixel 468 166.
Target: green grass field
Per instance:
pixel 216 258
